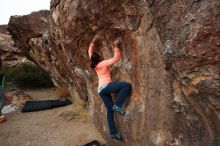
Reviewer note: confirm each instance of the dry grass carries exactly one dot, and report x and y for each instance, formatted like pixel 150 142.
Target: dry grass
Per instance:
pixel 62 92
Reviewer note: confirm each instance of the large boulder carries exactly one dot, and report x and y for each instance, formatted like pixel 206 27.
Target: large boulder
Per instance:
pixel 72 24
pixel 170 56
pixel 9 53
pixel 30 34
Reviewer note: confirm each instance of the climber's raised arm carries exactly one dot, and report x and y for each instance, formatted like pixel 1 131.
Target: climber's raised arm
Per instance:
pixel 91 48
pixel 92 45
pixel 117 55
pixel 115 59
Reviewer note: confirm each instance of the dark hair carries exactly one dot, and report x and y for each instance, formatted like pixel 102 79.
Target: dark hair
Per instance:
pixel 95 59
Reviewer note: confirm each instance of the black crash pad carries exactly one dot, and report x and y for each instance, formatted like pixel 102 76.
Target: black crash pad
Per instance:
pixel 93 143
pixel 31 106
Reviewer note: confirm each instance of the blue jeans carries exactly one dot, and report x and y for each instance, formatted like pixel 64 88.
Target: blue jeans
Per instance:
pixel 123 89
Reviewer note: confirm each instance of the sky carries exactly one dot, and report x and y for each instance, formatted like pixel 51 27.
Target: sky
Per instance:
pixel 20 7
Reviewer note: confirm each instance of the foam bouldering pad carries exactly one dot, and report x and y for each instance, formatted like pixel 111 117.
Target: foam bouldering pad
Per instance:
pixel 93 143
pixel 31 106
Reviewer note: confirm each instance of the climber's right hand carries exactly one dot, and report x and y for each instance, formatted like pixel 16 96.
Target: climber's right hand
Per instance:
pixel 117 43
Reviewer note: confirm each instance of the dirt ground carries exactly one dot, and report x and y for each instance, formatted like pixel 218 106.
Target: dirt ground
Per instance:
pixel 65 126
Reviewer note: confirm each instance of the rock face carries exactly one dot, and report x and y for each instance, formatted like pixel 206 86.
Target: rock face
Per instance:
pixel 30 34
pixel 171 56
pixel 9 53
pixel 190 31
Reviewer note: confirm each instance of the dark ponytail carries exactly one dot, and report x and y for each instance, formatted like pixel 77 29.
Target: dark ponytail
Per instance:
pixel 95 59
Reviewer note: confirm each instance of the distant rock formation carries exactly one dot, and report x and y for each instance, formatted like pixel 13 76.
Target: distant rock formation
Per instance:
pixel 3 29
pixel 30 34
pixel 9 53
pixel 170 56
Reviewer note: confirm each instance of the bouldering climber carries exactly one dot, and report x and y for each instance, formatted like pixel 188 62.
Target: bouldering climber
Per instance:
pixel 106 87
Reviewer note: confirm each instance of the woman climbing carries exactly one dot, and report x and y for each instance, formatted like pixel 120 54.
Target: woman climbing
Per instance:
pixel 106 86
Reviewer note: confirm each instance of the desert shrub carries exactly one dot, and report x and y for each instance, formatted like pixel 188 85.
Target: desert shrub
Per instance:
pixel 27 75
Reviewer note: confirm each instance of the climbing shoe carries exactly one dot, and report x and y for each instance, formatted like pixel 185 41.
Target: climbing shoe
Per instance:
pixel 117 136
pixel 118 109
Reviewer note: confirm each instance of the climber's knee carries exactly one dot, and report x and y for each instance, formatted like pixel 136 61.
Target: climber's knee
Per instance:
pixel 128 86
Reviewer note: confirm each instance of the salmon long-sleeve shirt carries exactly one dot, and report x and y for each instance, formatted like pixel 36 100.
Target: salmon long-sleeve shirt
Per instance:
pixel 103 68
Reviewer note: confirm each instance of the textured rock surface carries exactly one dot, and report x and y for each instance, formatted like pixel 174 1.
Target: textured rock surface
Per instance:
pixel 170 56
pixel 9 53
pixel 30 34
pixel 190 31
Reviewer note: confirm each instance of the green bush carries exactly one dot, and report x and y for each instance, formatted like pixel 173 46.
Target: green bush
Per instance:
pixel 27 75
